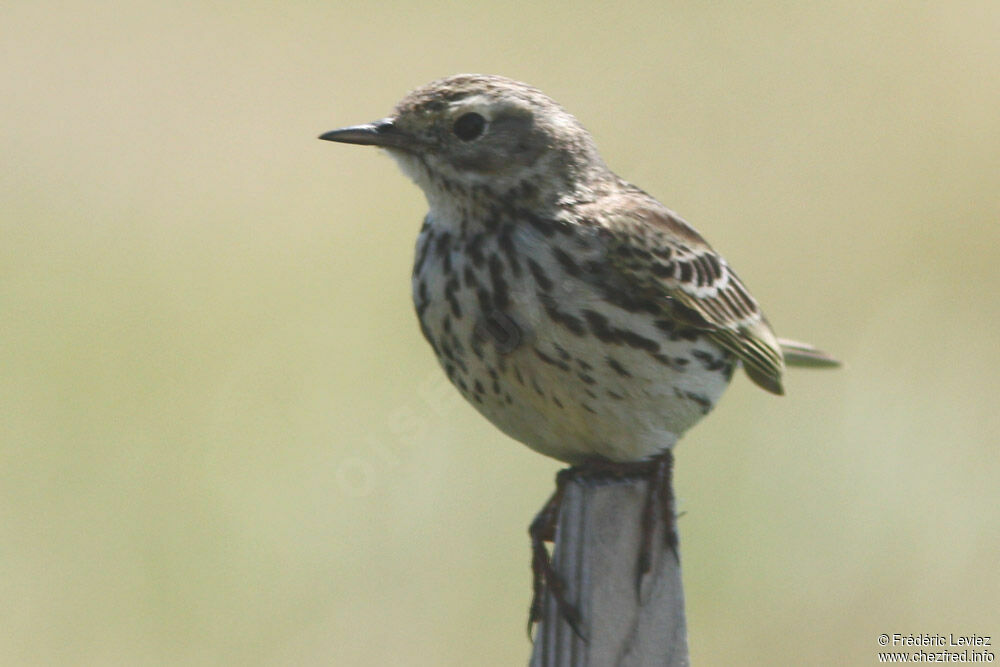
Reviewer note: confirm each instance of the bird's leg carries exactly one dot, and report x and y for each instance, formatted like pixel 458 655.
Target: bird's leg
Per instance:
pixel 659 489
pixel 667 505
pixel 542 530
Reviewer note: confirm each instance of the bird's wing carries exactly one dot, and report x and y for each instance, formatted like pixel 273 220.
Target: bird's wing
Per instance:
pixel 657 255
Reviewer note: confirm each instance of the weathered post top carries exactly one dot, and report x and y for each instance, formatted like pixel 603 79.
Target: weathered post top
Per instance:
pixel 597 546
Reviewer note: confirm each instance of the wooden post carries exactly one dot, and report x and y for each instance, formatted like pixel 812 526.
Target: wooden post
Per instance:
pixel 596 552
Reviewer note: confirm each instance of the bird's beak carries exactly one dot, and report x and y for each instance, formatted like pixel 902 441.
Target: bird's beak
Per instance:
pixel 383 133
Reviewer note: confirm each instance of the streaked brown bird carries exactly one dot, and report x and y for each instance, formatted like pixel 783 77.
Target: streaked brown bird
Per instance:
pixel 573 310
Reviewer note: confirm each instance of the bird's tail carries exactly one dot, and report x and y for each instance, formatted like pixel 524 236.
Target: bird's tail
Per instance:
pixel 805 355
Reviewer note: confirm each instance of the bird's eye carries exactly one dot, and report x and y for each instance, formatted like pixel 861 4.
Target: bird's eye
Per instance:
pixel 469 126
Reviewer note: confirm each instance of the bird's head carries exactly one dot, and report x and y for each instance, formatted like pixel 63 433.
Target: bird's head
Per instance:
pixel 476 133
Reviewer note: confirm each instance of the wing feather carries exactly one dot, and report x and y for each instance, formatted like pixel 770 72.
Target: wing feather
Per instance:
pixel 658 254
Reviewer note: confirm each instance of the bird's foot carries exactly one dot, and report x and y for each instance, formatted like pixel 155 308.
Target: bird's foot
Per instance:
pixel 658 471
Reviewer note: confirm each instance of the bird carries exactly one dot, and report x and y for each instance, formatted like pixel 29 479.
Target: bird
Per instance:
pixel 576 312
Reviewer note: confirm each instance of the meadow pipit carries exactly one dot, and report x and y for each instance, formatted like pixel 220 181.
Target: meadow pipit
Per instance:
pixel 573 310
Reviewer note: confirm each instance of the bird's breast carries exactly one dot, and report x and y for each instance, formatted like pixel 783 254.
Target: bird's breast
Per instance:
pixel 525 327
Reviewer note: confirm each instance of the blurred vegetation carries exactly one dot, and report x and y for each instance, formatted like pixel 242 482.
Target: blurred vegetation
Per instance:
pixel 222 440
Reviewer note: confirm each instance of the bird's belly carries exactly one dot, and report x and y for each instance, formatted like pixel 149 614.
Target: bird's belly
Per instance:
pixel 557 367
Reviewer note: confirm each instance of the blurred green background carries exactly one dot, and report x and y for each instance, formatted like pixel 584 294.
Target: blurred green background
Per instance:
pixel 223 440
